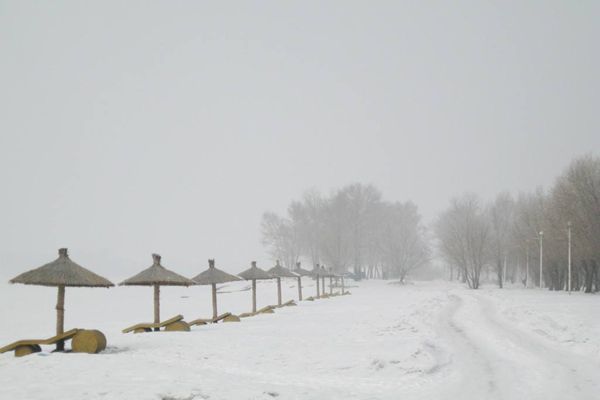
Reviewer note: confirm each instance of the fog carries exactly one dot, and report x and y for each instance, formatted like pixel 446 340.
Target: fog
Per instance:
pixel 127 129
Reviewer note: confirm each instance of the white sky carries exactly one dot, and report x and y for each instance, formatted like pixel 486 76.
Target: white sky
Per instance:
pixel 130 128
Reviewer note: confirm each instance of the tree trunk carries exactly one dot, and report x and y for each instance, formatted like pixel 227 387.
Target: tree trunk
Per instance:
pixel 499 273
pixel 278 291
pixel 60 317
pixel 214 300
pixel 253 295
pixel 299 288
pixel 156 305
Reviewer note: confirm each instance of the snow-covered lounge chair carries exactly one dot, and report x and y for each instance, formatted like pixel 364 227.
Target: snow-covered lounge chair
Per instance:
pixel 174 324
pixel 84 341
pixel 264 310
pixel 287 304
pixel 226 317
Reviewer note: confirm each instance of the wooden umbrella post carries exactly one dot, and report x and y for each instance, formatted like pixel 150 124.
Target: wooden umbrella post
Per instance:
pixel 253 295
pixel 214 300
pixel 299 288
pixel 343 289
pixel 156 305
pixel 323 284
pixel 330 285
pixel 60 317
pixel 318 290
pixel 278 291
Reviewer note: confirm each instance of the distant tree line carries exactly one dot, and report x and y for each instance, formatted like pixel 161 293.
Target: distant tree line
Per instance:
pixel 502 237
pixel 353 229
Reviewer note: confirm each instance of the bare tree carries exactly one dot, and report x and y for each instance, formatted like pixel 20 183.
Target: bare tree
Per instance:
pixel 463 233
pixel 404 242
pixel 501 223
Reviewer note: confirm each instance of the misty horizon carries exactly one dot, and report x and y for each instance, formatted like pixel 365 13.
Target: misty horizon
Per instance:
pixel 173 129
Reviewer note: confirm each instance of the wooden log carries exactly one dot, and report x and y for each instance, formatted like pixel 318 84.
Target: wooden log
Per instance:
pixel 89 341
pixel 60 317
pixel 231 318
pixel 21 351
pixel 179 326
pixel 214 300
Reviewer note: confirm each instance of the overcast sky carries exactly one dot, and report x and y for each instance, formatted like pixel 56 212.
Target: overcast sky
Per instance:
pixel 130 128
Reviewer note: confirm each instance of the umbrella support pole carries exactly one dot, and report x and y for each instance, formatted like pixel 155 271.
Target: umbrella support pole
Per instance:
pixel 330 285
pixel 323 285
pixel 279 291
pixel 318 290
pixel 214 300
pixel 253 295
pixel 156 306
pixel 60 317
pixel 299 288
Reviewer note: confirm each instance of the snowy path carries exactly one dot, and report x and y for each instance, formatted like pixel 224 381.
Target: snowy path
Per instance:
pixel 493 360
pixel 422 341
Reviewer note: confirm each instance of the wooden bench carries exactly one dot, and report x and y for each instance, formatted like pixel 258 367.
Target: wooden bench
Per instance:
pixel 29 346
pixel 226 317
pixel 174 324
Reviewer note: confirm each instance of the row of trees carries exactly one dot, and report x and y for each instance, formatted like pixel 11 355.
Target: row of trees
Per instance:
pixel 505 235
pixel 352 229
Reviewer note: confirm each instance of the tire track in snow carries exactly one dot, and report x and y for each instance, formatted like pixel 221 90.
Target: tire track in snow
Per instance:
pixel 470 373
pixel 491 359
pixel 552 372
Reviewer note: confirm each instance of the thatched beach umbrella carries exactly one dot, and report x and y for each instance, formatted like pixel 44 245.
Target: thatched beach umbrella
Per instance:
pixel 213 276
pixel 61 273
pixel 253 274
pixel 157 276
pixel 301 272
pixel 279 272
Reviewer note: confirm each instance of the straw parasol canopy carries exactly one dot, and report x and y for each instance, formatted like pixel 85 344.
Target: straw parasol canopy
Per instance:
pixel 280 272
pixel 253 274
pixel 61 273
pixel 157 275
pixel 213 276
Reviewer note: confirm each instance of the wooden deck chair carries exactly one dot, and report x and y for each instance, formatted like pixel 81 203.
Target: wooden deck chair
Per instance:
pixel 173 324
pixel 225 317
pixel 267 310
pixel 28 346
pixel 287 304
pixel 264 310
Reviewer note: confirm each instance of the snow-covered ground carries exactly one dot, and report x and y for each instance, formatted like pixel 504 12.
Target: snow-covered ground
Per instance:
pixel 432 340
